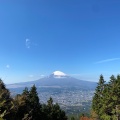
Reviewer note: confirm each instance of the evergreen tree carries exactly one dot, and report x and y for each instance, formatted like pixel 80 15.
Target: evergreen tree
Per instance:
pixel 98 97
pixel 72 118
pixel 22 103
pixel 26 106
pixel 35 106
pixel 52 111
pixel 25 92
pixel 106 100
pixel 110 96
pixel 6 103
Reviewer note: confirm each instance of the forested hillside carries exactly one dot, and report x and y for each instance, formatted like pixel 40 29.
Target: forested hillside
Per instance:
pixel 26 106
pixel 106 100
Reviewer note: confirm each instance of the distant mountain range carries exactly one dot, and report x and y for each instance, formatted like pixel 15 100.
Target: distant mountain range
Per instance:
pixel 56 79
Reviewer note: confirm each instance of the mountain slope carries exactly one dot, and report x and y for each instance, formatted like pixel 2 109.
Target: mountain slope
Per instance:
pixel 59 79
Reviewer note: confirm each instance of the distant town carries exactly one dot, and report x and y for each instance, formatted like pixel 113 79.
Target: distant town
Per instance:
pixel 68 98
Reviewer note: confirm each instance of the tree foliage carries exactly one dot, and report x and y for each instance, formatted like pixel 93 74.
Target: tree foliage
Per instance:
pixel 26 106
pixel 52 111
pixel 6 103
pixel 106 100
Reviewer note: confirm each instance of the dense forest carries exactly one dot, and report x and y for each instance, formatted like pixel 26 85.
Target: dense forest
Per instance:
pixel 26 106
pixel 106 100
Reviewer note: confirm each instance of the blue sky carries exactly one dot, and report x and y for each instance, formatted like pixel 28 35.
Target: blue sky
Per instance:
pixel 78 37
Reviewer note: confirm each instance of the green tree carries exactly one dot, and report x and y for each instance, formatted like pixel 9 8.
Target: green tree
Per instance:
pixel 26 106
pixel 97 102
pixel 107 99
pixel 34 103
pixel 72 118
pixel 52 111
pixel 6 103
pixel 22 105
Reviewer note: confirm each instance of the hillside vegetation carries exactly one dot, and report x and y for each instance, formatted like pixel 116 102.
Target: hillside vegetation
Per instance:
pixel 26 106
pixel 106 100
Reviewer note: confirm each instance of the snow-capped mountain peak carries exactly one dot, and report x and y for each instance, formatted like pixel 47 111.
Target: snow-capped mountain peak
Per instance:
pixel 59 74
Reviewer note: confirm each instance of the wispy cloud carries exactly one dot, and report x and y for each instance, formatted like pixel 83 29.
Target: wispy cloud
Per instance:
pixel 7 66
pixel 28 43
pixel 107 60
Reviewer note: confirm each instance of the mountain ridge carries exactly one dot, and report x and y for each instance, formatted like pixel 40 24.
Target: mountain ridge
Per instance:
pixel 57 78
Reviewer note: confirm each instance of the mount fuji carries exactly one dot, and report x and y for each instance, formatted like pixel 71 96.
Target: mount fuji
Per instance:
pixel 56 79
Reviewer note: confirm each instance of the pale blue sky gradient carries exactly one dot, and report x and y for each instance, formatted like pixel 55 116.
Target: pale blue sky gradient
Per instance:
pixel 78 37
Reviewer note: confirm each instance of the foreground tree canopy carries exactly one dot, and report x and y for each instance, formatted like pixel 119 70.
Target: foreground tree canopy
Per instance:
pixel 106 100
pixel 26 106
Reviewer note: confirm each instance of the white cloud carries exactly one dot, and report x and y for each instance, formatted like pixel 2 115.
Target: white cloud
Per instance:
pixel 107 60
pixel 28 43
pixel 8 66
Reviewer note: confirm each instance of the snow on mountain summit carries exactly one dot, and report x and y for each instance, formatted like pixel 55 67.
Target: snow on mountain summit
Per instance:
pixel 59 73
